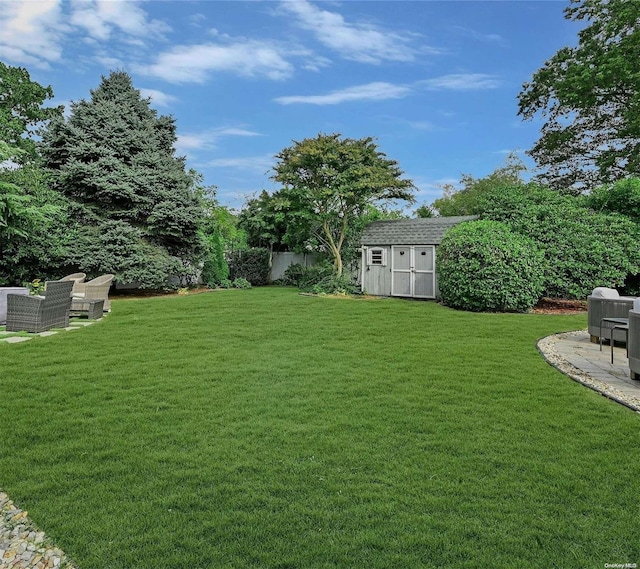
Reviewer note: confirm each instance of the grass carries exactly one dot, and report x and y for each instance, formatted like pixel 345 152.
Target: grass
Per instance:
pixel 260 428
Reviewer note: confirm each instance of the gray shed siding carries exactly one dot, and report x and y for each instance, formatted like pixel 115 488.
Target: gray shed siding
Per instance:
pixel 414 235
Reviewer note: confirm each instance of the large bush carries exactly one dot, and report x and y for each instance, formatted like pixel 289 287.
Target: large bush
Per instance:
pixel 484 266
pixel 252 265
pixel 583 248
pixel 215 268
pixel 116 247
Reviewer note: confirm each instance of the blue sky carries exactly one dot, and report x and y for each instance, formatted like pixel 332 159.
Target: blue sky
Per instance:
pixel 435 82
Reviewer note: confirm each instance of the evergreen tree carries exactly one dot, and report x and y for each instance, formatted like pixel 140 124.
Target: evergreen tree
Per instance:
pixel 114 158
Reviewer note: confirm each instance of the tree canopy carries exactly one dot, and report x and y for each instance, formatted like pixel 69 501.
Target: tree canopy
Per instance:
pixel 21 109
pixel 589 96
pixel 468 200
pixel 114 158
pixel 328 183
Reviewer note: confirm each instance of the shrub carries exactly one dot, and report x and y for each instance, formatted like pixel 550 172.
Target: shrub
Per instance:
pixel 293 274
pixel 252 265
pixel 241 283
pixel 215 268
pixel 483 265
pixel 335 285
pixel 305 277
pixel 583 249
pixel 117 247
pixel 319 279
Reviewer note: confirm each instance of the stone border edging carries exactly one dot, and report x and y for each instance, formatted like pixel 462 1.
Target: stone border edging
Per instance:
pixel 546 348
pixel 22 546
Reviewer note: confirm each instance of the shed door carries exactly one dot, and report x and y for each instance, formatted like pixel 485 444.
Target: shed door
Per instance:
pixel 401 267
pixel 424 272
pixel 413 271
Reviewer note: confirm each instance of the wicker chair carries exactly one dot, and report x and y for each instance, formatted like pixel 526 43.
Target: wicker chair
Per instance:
pixel 95 289
pixel 606 303
pixel 36 313
pixel 77 278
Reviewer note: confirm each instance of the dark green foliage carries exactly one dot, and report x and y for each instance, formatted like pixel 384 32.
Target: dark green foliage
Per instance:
pixel 484 266
pixel 114 157
pixel 241 283
pixel 264 220
pixel 34 224
pixel 21 109
pixel 622 197
pixel 252 265
pixel 424 211
pixel 589 96
pixel 334 284
pixel 469 199
pixel 328 183
pixel 117 247
pixel 306 277
pixel 583 249
pixel 215 268
pixel 319 278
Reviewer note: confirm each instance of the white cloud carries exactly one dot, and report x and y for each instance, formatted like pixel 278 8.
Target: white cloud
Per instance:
pixel 193 63
pixel 207 140
pixel 158 97
pixel 257 163
pixel 461 82
pixel 377 91
pixel 101 17
pixel 479 36
pixel 361 42
pixel 32 32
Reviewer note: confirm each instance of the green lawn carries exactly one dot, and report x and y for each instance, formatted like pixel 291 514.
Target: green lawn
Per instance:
pixel 261 428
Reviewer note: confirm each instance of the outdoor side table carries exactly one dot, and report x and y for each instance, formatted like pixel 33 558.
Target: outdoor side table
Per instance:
pixel 93 307
pixel 625 328
pixel 615 323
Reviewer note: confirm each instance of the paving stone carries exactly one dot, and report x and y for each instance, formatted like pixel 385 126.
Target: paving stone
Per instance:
pixel 47 333
pixel 16 339
pixel 574 355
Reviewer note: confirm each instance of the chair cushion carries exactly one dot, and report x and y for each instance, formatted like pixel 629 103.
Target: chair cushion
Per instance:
pixel 636 305
pixel 604 292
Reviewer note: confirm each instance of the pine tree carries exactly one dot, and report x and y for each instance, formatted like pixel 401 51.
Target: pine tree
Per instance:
pixel 114 158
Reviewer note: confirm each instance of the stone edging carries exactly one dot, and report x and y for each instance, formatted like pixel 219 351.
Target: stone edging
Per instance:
pixel 546 347
pixel 22 546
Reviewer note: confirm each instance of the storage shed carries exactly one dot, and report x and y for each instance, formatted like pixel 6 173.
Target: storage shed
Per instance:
pixel 399 256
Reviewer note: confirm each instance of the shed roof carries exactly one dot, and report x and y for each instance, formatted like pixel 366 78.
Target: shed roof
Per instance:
pixel 421 231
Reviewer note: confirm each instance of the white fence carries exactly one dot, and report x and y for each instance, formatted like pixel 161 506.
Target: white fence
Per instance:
pixel 282 261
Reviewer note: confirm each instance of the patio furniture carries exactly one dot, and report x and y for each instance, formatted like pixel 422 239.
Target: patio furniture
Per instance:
pixel 77 279
pixel 606 303
pixel 614 324
pixel 93 307
pixel 4 291
pixel 96 289
pixel 633 345
pixel 39 313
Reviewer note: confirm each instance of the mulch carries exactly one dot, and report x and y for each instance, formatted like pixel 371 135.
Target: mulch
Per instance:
pixel 559 306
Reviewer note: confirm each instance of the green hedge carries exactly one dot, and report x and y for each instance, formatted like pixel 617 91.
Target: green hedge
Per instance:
pixel 484 266
pixel 252 265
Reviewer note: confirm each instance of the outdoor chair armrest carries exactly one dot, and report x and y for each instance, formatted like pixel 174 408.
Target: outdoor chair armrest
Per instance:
pixel 25 299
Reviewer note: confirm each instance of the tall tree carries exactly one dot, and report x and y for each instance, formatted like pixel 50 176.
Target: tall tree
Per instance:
pixel 589 96
pixel 32 217
pixel 468 199
pixel 329 181
pixel 114 158
pixel 21 109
